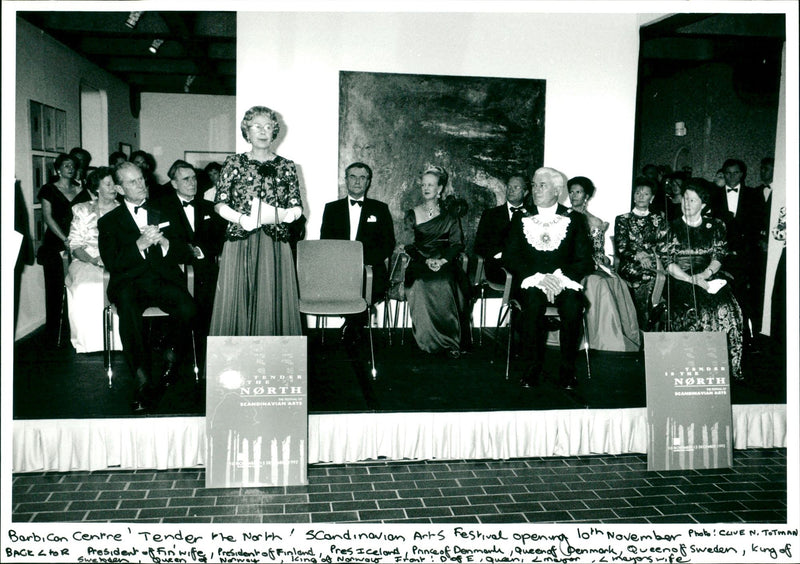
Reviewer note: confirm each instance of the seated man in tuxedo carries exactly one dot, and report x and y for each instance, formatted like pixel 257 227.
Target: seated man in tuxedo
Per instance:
pixel 203 230
pixel 141 251
pixel 358 218
pixel 492 234
pixel 548 252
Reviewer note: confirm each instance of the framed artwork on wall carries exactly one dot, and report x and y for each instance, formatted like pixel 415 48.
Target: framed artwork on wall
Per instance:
pixel 49 168
pixel 125 148
pixel 199 159
pixel 480 129
pixel 60 131
pixel 37 136
pixel 38 228
pixel 49 125
pixel 39 176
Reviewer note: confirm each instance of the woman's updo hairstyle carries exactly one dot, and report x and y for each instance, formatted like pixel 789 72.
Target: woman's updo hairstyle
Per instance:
pixel 62 158
pixel 583 182
pixel 255 111
pixel 440 174
pixel 700 187
pixel 96 176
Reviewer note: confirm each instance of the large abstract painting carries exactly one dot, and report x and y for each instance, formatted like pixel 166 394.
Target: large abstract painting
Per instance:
pixel 480 129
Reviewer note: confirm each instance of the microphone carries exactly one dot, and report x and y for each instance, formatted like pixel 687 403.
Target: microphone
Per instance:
pixel 269 172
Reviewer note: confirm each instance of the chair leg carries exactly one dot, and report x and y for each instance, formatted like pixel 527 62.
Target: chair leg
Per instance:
pixel 586 348
pixel 405 322
pixel 483 316
pixel 61 316
pixel 508 346
pixel 387 319
pixel 372 354
pixel 194 361
pixel 108 341
pixel 501 317
pixel 397 318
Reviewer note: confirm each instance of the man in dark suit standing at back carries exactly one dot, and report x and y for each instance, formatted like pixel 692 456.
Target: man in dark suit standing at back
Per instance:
pixel 141 251
pixel 739 208
pixel 203 231
pixel 492 234
pixel 358 218
pixel 549 252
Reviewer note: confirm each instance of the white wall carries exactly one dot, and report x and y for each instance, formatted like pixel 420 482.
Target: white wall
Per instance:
pixel 173 123
pixel 291 62
pixel 50 73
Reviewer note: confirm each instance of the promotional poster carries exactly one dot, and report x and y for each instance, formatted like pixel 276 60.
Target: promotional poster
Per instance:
pixel 688 401
pixel 257 418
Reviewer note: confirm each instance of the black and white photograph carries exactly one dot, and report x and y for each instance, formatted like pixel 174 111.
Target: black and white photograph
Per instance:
pixel 400 282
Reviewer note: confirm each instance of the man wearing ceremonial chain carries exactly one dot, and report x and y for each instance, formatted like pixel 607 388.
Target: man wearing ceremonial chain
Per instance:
pixel 548 252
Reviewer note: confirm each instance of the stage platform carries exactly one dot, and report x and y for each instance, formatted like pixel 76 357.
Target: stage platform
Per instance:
pixel 420 407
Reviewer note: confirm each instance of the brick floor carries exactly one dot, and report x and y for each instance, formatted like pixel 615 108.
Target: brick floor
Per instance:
pixel 602 489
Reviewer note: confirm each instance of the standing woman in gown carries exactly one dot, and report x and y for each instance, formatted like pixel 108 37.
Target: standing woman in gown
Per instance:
pixel 437 287
pixel 692 252
pixel 636 235
pixel 610 314
pixel 258 194
pixel 57 198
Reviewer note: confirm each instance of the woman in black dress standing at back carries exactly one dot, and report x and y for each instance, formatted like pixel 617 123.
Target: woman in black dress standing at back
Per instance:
pixel 57 199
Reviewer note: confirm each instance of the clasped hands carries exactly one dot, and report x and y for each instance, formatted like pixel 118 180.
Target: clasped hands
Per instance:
pixel 435 264
pixel 263 214
pixel 151 235
pixel 551 285
pixel 645 260
pixel 698 280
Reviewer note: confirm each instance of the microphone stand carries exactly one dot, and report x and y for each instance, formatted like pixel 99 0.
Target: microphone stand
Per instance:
pixel 255 289
pixel 275 251
pixel 268 172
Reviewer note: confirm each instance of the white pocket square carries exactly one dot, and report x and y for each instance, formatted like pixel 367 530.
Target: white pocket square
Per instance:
pixel 206 217
pixel 372 219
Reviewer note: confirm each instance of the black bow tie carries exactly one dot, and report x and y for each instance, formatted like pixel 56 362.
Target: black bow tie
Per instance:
pixel 733 189
pixel 358 203
pixel 190 203
pixel 142 206
pixel 517 209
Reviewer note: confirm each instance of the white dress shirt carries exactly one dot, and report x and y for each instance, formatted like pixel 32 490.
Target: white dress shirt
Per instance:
pixel 355 215
pixel 511 213
pixel 139 216
pixel 188 211
pixel 733 198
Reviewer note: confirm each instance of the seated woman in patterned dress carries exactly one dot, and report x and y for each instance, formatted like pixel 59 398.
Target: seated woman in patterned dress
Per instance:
pixel 698 297
pixel 636 234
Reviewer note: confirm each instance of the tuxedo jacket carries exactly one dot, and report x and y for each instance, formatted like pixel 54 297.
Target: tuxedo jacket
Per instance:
pixel 492 233
pixel 743 227
pixel 573 255
pixel 118 233
pixel 209 227
pixel 375 230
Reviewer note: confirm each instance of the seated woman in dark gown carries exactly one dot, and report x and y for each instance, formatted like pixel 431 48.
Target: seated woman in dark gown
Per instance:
pixel 636 234
pixel 692 254
pixel 437 288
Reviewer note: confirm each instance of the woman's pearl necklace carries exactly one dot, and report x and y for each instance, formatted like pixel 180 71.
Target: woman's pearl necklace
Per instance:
pixel 693 223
